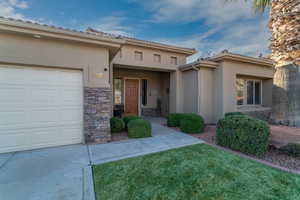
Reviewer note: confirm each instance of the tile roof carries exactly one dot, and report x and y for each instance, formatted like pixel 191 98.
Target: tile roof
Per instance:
pixel 91 31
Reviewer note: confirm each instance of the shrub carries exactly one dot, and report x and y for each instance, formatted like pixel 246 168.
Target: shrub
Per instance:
pixel 233 113
pixel 139 128
pixel 173 119
pixel 291 149
pixel 116 124
pixel 192 123
pixel 243 133
pixel 128 118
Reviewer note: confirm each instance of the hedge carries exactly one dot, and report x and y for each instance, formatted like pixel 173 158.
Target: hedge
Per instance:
pixel 116 124
pixel 139 128
pixel 291 149
pixel 243 133
pixel 128 118
pixel 233 113
pixel 192 123
pixel 173 119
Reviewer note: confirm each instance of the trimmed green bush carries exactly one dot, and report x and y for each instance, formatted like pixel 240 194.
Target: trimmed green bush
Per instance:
pixel 128 118
pixel 139 128
pixel 291 149
pixel 233 113
pixel 116 124
pixel 192 123
pixel 173 119
pixel 243 133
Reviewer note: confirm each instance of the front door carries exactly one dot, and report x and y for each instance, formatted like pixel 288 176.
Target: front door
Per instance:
pixel 131 96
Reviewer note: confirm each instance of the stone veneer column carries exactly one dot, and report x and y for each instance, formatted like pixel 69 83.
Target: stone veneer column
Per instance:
pixel 97 113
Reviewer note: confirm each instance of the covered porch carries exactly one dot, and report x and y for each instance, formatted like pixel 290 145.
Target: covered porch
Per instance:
pixel 140 91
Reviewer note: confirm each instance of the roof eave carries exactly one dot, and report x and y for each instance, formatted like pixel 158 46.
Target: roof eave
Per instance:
pixel 198 65
pixel 164 47
pixel 240 58
pixel 56 33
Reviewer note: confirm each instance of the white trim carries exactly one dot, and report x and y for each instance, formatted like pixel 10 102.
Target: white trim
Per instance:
pixel 139 93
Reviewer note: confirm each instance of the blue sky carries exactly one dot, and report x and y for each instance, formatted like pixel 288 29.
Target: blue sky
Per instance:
pixel 210 26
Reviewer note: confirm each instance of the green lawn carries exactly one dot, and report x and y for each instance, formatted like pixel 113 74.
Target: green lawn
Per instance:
pixel 194 172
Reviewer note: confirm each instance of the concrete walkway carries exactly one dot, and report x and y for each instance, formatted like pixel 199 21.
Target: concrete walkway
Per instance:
pixel 163 139
pixel 64 173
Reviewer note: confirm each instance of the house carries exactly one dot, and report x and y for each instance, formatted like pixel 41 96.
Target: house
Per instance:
pixel 228 82
pixel 60 86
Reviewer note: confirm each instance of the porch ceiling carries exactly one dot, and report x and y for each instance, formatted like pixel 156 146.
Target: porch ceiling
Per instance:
pixel 143 68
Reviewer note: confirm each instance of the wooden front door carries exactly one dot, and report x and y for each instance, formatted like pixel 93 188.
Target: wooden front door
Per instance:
pixel 131 97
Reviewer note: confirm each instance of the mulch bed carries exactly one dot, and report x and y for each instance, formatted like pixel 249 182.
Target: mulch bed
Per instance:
pixel 273 156
pixel 115 137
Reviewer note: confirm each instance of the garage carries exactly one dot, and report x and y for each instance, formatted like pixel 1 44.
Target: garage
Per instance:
pixel 40 107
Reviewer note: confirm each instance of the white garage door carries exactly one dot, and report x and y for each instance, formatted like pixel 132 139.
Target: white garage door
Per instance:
pixel 39 108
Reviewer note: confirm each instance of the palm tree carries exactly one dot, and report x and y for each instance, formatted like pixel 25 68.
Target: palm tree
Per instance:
pixel 284 24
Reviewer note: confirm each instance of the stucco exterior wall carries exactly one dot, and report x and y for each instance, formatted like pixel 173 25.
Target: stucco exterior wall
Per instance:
pixel 27 50
pixel 232 69
pixel 206 97
pixel 126 56
pixel 176 92
pixel 190 91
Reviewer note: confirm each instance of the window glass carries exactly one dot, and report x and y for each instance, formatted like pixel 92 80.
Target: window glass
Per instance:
pixel 174 60
pixel 257 92
pixel 157 58
pixel 138 55
pixel 240 91
pixel 250 86
pixel 144 91
pixel 118 91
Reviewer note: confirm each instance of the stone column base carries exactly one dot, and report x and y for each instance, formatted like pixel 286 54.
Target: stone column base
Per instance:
pixel 97 114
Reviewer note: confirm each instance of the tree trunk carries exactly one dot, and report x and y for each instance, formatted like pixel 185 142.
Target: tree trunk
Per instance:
pixel 285 28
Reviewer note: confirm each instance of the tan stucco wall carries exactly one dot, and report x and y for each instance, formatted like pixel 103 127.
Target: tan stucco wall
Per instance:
pixel 176 92
pixel 216 89
pixel 206 91
pixel 157 84
pixel 230 71
pixel 190 91
pixel 27 50
pixel 126 57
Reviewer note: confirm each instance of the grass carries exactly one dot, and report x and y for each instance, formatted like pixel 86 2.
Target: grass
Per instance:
pixel 194 172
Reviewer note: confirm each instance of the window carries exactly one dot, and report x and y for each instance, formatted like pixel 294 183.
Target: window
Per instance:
pixel 248 92
pixel 144 91
pixel 117 91
pixel 240 91
pixel 174 60
pixel 138 55
pixel 157 58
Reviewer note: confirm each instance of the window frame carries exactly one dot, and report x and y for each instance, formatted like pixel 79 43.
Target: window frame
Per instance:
pixel 245 92
pixel 121 89
pixel 140 53
pixel 176 60
pixel 159 56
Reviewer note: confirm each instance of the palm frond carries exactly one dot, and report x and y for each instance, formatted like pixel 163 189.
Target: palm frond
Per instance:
pixel 261 5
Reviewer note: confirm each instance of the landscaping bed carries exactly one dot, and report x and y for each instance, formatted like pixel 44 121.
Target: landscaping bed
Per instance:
pixel 273 155
pixel 129 127
pixel 193 172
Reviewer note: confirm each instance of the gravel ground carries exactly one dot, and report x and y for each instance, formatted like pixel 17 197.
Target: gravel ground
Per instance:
pixel 273 155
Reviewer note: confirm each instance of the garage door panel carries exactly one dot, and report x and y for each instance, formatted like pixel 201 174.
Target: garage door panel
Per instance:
pixel 13 118
pixel 12 97
pixel 40 108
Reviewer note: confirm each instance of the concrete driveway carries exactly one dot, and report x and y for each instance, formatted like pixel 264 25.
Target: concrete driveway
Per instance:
pixel 64 173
